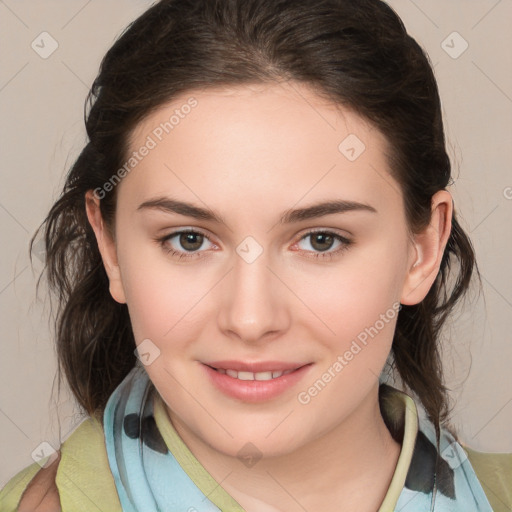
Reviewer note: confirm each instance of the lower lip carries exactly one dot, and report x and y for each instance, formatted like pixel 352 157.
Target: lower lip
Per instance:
pixel 255 390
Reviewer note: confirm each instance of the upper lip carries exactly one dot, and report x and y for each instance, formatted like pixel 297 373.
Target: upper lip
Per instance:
pixel 255 367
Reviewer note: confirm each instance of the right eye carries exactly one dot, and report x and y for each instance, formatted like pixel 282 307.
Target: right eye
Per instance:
pixel 187 244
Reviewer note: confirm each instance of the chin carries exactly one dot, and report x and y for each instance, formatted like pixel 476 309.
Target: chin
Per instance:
pixel 256 444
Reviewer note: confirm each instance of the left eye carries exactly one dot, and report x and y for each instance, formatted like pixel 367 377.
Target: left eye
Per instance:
pixel 322 241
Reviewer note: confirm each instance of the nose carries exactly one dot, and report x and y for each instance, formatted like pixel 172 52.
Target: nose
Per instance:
pixel 253 301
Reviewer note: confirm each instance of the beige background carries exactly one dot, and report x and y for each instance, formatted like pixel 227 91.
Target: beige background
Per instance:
pixel 41 102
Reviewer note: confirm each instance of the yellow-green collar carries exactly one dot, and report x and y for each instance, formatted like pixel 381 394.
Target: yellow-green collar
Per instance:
pixel 218 495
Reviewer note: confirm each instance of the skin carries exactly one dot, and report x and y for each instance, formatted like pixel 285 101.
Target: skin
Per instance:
pixel 250 153
pixel 42 495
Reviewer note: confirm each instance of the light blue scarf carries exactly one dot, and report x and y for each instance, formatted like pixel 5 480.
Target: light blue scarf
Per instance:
pixel 148 478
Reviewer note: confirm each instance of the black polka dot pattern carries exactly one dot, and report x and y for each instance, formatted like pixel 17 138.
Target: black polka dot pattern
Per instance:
pixel 150 434
pixel 420 476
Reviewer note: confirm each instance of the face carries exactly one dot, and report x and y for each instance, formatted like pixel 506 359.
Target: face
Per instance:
pixel 250 273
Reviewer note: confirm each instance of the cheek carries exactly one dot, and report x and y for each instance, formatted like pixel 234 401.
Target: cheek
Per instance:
pixel 355 289
pixel 353 298
pixel 163 298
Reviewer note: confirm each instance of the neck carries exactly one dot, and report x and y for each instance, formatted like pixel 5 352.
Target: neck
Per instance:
pixel 351 464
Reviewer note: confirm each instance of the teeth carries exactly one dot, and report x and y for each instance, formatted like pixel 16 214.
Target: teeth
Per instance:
pixel 247 375
pixel 268 375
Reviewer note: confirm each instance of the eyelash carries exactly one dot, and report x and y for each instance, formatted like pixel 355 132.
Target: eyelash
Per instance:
pixel 318 255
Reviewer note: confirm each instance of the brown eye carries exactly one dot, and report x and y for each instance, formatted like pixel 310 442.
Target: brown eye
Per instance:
pixel 185 244
pixel 321 241
pixel 191 241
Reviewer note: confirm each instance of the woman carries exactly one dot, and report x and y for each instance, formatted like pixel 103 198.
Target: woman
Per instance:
pixel 258 229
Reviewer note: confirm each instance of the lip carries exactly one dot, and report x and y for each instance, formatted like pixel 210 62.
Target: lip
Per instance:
pixel 255 391
pixel 260 366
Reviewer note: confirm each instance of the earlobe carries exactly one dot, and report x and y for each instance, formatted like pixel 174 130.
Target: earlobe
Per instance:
pixel 429 246
pixel 106 246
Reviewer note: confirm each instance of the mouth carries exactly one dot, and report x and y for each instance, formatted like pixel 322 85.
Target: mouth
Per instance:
pixel 255 382
pixel 243 375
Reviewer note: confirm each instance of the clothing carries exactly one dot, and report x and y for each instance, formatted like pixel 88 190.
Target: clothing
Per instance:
pixel 93 464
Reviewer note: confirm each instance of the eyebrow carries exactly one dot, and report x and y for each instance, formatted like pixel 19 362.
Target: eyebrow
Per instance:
pixel 170 205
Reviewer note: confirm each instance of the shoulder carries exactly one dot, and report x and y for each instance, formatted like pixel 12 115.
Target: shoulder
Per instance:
pixel 33 488
pixel 81 476
pixel 41 494
pixel 494 472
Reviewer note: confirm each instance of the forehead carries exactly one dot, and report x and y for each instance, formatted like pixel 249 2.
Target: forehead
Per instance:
pixel 280 143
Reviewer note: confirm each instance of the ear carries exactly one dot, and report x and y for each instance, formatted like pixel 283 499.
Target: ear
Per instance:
pixel 106 246
pixel 428 250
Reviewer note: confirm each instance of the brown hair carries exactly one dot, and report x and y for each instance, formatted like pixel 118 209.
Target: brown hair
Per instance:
pixel 356 53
